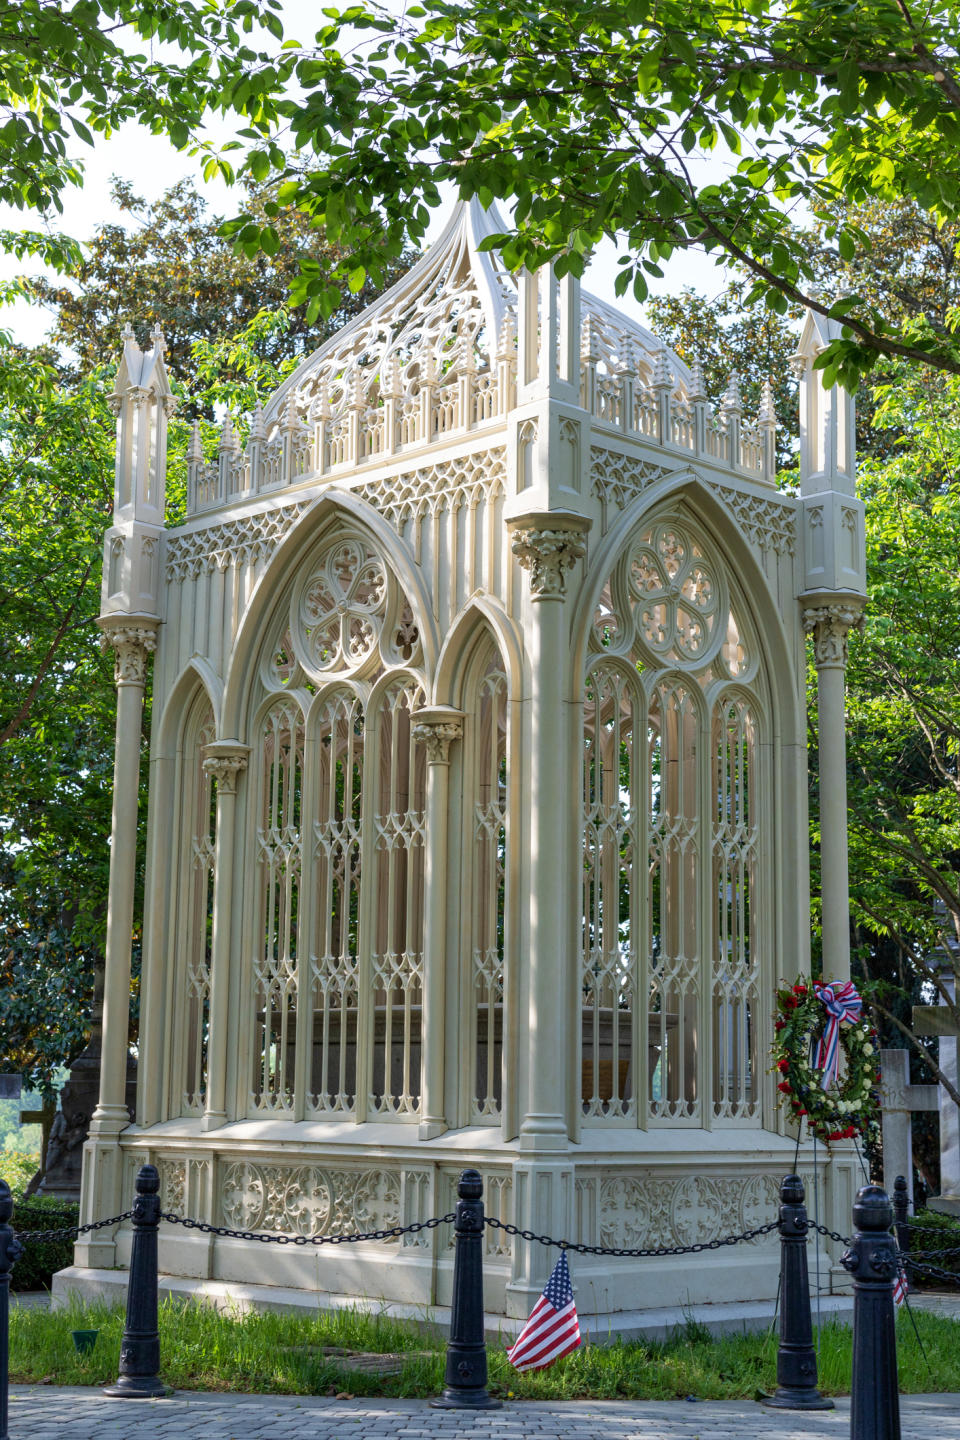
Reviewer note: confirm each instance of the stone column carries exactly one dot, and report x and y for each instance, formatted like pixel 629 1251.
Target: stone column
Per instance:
pixel 436 728
pixel 225 761
pixel 830 622
pixel 131 638
pixel 547 545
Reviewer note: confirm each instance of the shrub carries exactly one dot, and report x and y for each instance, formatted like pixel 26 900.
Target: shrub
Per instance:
pixel 41 1259
pixel 932 1234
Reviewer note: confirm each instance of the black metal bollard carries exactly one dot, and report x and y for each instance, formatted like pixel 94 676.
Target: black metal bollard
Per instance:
pixel 465 1381
pixel 901 1225
pixel 10 1252
pixel 796 1357
pixel 872 1261
pixel 140 1347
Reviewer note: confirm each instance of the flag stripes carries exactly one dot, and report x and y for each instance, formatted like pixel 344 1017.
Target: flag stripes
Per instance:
pixel 553 1329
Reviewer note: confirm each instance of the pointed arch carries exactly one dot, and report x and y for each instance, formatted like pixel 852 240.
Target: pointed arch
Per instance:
pixel 197 674
pixel 481 615
pixel 273 588
pixel 689 696
pixel 687 491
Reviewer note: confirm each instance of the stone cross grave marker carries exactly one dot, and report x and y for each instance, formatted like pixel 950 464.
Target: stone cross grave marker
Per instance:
pixel 898 1100
pixel 939 1020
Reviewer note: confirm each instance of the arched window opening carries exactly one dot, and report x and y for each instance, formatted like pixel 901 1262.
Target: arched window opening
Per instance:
pixel 735 972
pixel 610 922
pixel 397 904
pixel 199 808
pixel 335 956
pixel 487 847
pixel 674 878
pixel 279 847
pixel 670 960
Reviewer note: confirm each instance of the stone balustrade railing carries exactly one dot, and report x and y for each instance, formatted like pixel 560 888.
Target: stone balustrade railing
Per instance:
pixel 434 409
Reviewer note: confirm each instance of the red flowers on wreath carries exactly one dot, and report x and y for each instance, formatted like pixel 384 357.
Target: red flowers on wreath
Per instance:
pixel 838 1103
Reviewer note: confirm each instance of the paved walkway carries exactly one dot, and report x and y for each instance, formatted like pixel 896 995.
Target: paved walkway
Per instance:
pixel 44 1413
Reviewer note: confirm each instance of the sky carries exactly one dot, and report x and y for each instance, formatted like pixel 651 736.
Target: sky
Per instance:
pixel 152 165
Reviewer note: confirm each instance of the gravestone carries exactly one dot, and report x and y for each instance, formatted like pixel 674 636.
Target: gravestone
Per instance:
pixel 898 1100
pixel 940 1020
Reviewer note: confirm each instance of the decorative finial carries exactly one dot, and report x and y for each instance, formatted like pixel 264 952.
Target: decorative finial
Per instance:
pixel 127 333
pixel 662 376
pixel 228 440
pixel 508 335
pixel 258 429
pixel 767 414
pixel 731 403
pixel 588 350
pixel 698 385
pixel 159 343
pixel 195 448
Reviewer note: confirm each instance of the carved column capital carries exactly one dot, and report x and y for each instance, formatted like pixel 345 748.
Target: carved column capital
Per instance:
pixel 131 640
pixel 225 761
pixel 830 623
pixel 437 728
pixel 548 545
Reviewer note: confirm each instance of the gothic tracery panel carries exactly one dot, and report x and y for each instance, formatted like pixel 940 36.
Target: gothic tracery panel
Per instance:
pixel 198 800
pixel 671 841
pixel 611 783
pixel 397 904
pixel 279 855
pixel 335 955
pixel 735 969
pixel 487 847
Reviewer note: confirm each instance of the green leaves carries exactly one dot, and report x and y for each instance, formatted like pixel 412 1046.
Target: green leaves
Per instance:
pixel 593 119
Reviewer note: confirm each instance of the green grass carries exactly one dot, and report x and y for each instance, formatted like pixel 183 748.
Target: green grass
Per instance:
pixel 203 1349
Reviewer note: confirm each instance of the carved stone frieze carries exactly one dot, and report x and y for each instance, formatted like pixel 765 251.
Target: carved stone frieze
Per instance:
pixel 243 541
pixel 830 624
pixel 769 524
pixel 309 1199
pixel 131 644
pixel 647 1212
pixel 173 1184
pixel 616 479
pixel 548 551
pixel 433 489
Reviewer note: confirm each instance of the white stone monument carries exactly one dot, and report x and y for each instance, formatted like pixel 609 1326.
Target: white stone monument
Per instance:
pixel 477 829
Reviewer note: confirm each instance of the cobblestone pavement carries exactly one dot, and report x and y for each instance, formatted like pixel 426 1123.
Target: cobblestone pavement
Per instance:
pixel 44 1413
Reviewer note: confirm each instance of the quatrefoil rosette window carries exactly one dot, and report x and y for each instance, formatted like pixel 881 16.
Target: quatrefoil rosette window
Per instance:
pixel 675 594
pixel 669 595
pixel 349 614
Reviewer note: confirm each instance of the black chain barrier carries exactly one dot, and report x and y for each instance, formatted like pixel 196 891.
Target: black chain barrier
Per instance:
pixel 872 1257
pixel 636 1254
pixel 268 1238
pixel 28 1237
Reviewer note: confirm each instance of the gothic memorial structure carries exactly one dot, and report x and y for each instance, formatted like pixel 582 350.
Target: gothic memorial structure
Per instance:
pixel 477 826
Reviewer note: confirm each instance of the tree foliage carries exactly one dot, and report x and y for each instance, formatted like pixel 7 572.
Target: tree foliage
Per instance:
pixel 903 700
pixel 169 262
pixel 595 120
pixel 69 71
pixel 57 698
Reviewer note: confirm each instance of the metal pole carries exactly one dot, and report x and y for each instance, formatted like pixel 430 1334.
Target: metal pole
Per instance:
pixel 10 1251
pixel 796 1357
pixel 140 1347
pixel 901 1211
pixel 465 1381
pixel 872 1261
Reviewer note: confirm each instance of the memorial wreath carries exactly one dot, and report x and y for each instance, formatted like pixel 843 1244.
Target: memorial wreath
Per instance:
pixel 814 1024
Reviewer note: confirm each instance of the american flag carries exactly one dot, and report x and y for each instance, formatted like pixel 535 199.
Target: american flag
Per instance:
pixel 900 1287
pixel 553 1329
